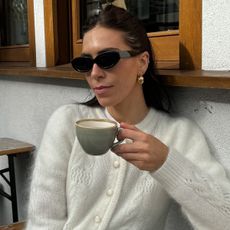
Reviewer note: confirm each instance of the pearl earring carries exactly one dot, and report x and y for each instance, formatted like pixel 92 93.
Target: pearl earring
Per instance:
pixel 140 79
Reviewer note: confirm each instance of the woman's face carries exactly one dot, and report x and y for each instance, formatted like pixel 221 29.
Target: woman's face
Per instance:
pixel 118 85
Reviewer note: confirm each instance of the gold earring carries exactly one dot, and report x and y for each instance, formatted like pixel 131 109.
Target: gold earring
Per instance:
pixel 140 79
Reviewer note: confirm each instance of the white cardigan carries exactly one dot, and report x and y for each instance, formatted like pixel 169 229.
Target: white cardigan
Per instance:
pixel 74 191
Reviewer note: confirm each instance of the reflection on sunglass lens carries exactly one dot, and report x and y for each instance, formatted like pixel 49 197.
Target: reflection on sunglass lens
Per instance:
pixel 107 60
pixel 82 64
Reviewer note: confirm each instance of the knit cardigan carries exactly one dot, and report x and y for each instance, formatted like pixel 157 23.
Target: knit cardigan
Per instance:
pixel 72 190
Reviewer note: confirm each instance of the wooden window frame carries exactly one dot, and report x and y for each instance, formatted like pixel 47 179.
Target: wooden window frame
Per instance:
pixel 21 55
pixel 57 32
pixel 187 39
pixel 175 49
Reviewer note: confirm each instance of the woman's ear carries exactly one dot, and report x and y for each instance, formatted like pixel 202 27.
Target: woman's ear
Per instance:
pixel 143 62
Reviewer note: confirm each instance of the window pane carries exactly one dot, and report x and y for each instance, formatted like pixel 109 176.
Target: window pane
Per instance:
pixel 156 15
pixel 13 22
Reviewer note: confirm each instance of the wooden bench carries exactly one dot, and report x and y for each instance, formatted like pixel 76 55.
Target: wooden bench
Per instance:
pixel 15 226
pixel 11 148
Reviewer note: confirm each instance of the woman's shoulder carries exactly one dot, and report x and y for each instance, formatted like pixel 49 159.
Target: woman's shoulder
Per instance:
pixel 175 123
pixel 63 112
pixel 63 119
pixel 180 132
pixel 76 111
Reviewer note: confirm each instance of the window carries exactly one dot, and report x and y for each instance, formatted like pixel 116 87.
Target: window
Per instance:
pixel 174 48
pixel 17 33
pixel 155 15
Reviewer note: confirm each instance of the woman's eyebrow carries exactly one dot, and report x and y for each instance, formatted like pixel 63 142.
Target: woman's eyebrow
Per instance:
pixel 100 52
pixel 86 55
pixel 107 50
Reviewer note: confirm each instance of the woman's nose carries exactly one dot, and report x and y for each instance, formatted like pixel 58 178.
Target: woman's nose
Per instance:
pixel 96 72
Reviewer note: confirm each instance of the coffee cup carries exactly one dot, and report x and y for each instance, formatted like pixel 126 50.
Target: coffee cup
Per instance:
pixel 96 136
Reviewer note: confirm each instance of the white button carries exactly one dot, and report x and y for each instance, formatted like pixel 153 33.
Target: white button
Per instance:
pixel 116 164
pixel 109 192
pixel 97 219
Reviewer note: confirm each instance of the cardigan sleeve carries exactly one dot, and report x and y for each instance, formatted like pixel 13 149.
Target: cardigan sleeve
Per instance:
pixel 195 180
pixel 47 204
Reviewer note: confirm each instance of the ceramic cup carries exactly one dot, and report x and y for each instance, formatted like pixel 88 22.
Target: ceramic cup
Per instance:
pixel 96 136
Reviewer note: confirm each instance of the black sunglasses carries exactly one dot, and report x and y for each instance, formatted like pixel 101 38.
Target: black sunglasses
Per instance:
pixel 105 60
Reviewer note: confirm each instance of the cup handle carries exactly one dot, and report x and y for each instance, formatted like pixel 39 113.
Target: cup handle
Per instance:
pixel 118 142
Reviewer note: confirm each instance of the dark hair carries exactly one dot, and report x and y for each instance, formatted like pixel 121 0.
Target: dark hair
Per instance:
pixel 135 36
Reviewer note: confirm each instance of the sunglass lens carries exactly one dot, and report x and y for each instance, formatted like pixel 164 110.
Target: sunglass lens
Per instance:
pixel 107 60
pixel 82 64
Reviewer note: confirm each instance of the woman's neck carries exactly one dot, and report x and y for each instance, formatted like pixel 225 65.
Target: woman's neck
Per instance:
pixel 132 112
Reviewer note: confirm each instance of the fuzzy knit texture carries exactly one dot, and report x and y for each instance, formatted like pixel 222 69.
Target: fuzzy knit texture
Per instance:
pixel 72 190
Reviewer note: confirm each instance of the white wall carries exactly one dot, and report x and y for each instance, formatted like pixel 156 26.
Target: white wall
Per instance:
pixel 39 33
pixel 216 35
pixel 25 105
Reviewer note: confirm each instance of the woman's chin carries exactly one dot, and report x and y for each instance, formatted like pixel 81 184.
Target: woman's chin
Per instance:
pixel 105 103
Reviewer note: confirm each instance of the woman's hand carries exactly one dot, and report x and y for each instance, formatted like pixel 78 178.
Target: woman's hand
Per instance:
pixel 144 151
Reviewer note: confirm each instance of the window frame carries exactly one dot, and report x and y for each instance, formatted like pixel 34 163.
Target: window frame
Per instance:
pixel 57 17
pixel 13 55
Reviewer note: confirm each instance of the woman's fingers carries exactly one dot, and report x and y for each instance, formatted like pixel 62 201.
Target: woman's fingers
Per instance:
pixel 143 150
pixel 129 132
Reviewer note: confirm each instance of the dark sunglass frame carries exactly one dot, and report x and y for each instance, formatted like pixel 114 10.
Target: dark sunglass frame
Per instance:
pixel 105 60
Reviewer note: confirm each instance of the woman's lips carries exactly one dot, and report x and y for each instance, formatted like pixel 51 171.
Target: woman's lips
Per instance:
pixel 99 90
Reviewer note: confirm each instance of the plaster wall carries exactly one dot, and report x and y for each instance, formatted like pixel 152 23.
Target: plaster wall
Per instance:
pixel 26 104
pixel 216 35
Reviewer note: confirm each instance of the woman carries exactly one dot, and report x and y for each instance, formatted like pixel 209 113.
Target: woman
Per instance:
pixel 163 158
